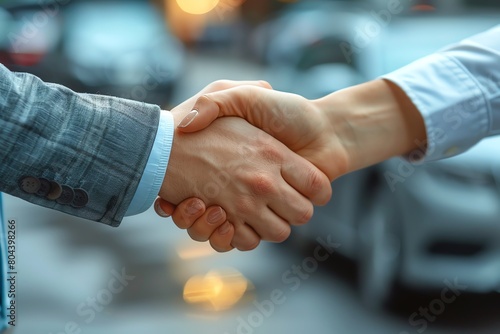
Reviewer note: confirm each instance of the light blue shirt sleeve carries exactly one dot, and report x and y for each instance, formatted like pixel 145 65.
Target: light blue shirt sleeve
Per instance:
pixel 154 173
pixel 457 91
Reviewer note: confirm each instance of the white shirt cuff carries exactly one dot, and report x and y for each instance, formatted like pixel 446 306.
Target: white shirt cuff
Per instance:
pixel 450 101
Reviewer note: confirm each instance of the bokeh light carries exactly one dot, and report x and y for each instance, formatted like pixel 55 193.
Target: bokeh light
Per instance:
pixel 197 7
pixel 217 290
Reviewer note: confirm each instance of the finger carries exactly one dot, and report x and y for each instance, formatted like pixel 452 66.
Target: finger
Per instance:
pixel 292 207
pixel 271 226
pixel 306 178
pixel 217 86
pixel 221 239
pixel 163 208
pixel 187 212
pixel 203 227
pixel 220 85
pixel 235 101
pixel 204 112
pixel 245 238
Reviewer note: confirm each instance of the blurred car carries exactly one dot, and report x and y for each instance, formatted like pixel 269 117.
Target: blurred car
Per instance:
pixel 303 47
pixel 418 225
pixel 25 45
pixel 435 223
pixel 120 48
pixel 442 220
pixel 418 32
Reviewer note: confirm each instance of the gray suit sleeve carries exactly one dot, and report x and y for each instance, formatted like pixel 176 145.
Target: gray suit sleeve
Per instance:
pixel 87 152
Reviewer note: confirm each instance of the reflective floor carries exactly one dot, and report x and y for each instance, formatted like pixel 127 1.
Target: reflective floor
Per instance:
pixel 76 276
pixel 68 271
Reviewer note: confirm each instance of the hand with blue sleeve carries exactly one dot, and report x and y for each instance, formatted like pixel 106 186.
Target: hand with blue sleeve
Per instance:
pixel 263 186
pixel 340 133
pixel 434 108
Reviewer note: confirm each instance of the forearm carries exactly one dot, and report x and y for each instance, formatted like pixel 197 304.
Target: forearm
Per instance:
pixel 95 143
pixel 457 91
pixel 373 121
pixel 439 106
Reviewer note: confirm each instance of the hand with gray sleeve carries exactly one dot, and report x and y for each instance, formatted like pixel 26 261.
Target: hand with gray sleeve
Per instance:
pixel 102 158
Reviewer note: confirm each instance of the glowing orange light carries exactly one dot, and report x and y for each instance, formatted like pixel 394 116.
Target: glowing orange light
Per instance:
pixel 197 7
pixel 218 290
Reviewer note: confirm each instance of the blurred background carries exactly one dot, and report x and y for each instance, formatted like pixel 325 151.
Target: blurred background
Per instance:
pixel 402 248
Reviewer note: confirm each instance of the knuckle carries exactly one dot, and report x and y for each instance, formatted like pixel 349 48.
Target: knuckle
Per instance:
pixel 244 206
pixel 220 85
pixel 316 180
pixel 271 153
pixel 181 222
pixel 281 234
pixel 317 187
pixel 196 235
pixel 325 196
pixel 265 84
pixel 262 184
pixel 220 248
pixel 248 246
pixel 304 215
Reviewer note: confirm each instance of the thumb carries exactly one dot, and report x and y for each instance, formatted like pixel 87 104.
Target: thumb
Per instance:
pixel 237 101
pixel 204 112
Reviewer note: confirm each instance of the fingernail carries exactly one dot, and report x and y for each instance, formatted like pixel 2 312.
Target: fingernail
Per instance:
pixel 194 207
pixel 188 119
pixel 160 211
pixel 224 228
pixel 214 216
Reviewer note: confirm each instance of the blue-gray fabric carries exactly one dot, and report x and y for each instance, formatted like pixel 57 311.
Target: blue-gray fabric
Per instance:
pixel 97 143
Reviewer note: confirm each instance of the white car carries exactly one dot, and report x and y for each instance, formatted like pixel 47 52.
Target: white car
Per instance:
pixel 418 225
pixel 440 222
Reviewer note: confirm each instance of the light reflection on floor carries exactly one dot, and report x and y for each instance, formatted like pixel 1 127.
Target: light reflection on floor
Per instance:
pixel 65 261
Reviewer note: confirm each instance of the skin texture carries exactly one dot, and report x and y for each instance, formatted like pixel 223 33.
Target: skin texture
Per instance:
pixel 342 132
pixel 263 186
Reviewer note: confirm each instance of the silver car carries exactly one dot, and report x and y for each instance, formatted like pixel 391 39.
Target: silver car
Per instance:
pixel 419 225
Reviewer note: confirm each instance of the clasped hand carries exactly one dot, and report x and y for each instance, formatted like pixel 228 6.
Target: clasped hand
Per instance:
pixel 265 181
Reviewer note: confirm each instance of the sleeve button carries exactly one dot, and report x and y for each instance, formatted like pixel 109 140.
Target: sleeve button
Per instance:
pixel 55 191
pixel 29 184
pixel 80 199
pixel 44 187
pixel 67 195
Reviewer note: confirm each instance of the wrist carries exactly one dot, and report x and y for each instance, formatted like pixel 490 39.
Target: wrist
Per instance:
pixel 373 122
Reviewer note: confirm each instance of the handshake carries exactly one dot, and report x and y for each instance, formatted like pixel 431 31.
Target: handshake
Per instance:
pixel 249 177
